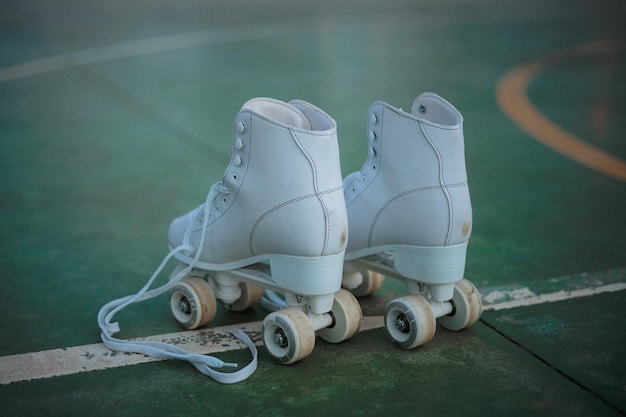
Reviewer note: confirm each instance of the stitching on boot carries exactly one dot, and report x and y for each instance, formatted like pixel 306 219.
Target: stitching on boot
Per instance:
pixel 442 181
pixel 405 193
pixel 316 188
pixel 286 203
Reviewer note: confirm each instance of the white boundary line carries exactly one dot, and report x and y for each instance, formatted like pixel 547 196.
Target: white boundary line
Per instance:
pixel 155 45
pixel 555 296
pixel 88 358
pixel 177 41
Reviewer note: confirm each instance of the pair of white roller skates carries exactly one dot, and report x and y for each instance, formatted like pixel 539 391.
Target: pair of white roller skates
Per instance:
pixel 280 217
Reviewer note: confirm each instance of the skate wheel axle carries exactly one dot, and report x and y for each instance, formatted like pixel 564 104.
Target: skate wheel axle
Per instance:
pixel 280 338
pixel 184 306
pixel 402 323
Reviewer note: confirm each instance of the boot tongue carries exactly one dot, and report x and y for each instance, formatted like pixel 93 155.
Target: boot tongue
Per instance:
pixel 279 111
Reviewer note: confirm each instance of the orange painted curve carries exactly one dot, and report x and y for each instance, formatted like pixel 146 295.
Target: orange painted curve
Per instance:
pixel 511 94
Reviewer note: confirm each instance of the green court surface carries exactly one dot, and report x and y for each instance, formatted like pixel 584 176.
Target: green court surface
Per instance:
pixel 117 116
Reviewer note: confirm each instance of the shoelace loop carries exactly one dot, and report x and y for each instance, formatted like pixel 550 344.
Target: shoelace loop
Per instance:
pixel 204 363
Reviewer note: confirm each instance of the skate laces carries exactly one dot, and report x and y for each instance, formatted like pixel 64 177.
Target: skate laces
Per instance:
pixel 203 363
pixel 202 211
pixel 272 301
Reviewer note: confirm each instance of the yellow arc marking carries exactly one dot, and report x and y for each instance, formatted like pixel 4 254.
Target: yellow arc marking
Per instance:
pixel 512 98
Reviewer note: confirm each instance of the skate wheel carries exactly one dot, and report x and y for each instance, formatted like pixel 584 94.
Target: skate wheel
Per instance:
pixel 347 317
pixel 193 303
pixel 372 281
pixel 467 307
pixel 288 335
pixel 410 321
pixel 250 296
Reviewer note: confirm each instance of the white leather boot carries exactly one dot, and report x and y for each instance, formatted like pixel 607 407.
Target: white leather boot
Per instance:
pixel 280 202
pixel 409 208
pixel 276 221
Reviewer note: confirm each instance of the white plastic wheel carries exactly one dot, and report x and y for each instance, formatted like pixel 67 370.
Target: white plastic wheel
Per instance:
pixel 372 281
pixel 410 321
pixel 467 307
pixel 250 296
pixel 347 318
pixel 193 303
pixel 288 335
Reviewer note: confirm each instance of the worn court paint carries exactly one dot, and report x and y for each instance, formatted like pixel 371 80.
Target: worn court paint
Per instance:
pixel 512 98
pixel 499 296
pixel 87 358
pixel 527 298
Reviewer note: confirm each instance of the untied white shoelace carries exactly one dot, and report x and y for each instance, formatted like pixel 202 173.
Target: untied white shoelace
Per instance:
pixel 204 363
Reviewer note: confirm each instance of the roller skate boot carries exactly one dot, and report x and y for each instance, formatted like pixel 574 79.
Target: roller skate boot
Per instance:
pixel 410 217
pixel 276 221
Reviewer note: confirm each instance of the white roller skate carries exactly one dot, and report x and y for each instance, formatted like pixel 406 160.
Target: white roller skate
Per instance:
pixel 410 218
pixel 277 220
pixel 280 201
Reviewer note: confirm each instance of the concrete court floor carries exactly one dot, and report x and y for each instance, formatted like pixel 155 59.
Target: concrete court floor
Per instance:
pixel 117 116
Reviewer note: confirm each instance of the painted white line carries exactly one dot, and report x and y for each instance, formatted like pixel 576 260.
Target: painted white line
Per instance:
pixel 155 45
pixel 498 296
pixel 179 41
pixel 167 43
pixel 529 300
pixel 87 358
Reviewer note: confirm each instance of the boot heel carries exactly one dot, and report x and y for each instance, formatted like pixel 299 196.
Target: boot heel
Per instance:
pixel 307 275
pixel 431 265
